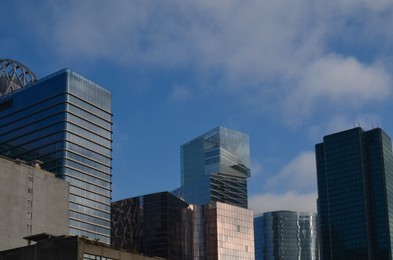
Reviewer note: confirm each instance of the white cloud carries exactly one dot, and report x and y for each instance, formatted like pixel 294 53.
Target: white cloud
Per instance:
pixel 298 175
pixel 179 93
pixel 293 188
pixel 336 84
pixel 347 80
pixel 274 54
pixel 287 201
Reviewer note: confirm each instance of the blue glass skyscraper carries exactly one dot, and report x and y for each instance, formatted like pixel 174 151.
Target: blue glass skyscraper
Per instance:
pixel 65 121
pixel 215 167
pixel 286 235
pixel 355 194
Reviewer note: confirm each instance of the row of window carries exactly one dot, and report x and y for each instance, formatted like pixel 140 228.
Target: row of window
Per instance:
pixel 89 91
pixel 105 133
pixel 88 170
pixel 95 257
pixel 41 135
pixel 39 147
pixel 88 144
pixel 90 211
pixel 88 186
pixel 90 219
pixel 35 126
pixel 91 108
pixel 88 117
pixel 90 195
pixel 90 206
pixel 88 153
pixel 26 112
pixel 88 162
pixel 86 226
pixel 88 178
pixel 89 135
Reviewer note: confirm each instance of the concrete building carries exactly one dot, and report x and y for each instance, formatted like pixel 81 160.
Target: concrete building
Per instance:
pixel 31 201
pixel 355 194
pixel 67 248
pixel 65 121
pixel 286 235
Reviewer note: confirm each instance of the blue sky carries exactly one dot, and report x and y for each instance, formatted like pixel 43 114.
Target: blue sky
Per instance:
pixel 285 72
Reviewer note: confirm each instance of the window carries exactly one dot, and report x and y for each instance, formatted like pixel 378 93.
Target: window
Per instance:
pixel 87 256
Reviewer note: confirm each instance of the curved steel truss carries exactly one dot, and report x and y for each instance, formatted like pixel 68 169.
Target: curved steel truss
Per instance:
pixel 14 75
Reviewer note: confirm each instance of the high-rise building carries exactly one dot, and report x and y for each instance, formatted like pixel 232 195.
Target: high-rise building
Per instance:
pixel 32 201
pixel 286 235
pixel 65 121
pixel 215 167
pixel 355 194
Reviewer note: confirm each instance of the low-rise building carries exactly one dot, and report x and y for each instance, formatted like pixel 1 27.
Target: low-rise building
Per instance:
pixel 67 248
pixel 32 201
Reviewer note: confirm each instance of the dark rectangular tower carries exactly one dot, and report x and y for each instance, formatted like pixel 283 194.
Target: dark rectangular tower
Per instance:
pixel 355 194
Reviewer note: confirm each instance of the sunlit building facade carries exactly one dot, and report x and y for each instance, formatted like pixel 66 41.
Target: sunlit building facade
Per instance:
pixel 286 235
pixel 355 194
pixel 215 167
pixel 65 121
pixel 229 232
pixel 163 225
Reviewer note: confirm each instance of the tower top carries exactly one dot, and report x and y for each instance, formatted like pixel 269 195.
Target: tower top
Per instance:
pixel 14 75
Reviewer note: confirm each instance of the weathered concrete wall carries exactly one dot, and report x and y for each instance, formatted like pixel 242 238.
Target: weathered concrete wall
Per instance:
pixel 32 201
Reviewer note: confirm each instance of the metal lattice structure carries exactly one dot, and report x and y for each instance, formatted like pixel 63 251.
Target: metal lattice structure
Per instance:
pixel 14 75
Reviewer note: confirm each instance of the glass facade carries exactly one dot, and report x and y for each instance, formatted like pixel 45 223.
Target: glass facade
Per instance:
pixel 229 232
pixel 286 235
pixel 355 196
pixel 65 121
pixel 163 225
pixel 151 224
pixel 215 167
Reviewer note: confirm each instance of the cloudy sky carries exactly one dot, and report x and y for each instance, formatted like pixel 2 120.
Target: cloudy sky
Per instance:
pixel 285 72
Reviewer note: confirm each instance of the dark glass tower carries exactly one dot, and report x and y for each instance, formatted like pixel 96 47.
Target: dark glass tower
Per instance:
pixel 151 224
pixel 215 167
pixel 286 235
pixel 355 194
pixel 63 120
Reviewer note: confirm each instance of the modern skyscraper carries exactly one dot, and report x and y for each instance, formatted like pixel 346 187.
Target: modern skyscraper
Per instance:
pixel 355 194
pixel 286 235
pixel 65 121
pixel 215 167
